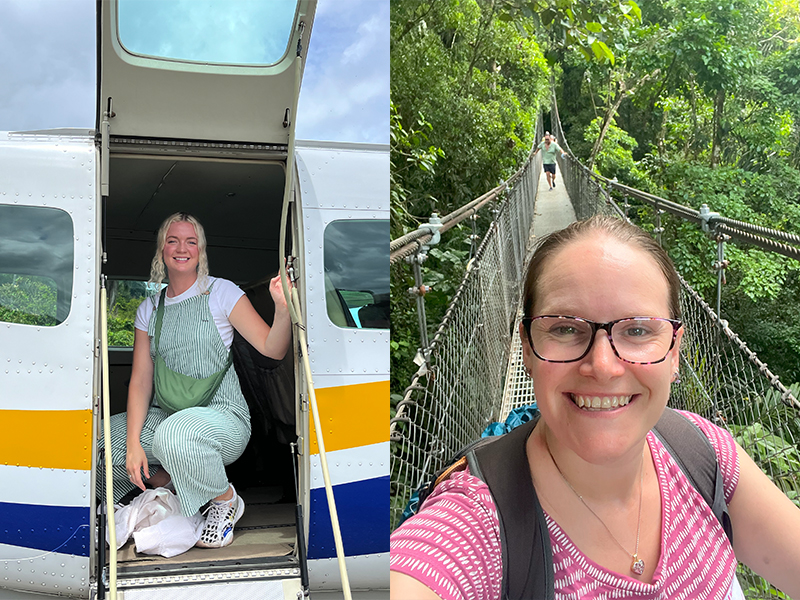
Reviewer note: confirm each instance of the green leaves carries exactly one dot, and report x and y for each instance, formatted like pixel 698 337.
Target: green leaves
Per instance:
pixel 466 91
pixel 27 299
pixel 601 51
pixel 410 152
pixel 124 298
pixel 774 454
pixel 615 158
pixel 590 27
pixel 635 11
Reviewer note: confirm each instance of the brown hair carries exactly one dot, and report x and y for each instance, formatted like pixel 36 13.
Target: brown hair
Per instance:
pixel 615 228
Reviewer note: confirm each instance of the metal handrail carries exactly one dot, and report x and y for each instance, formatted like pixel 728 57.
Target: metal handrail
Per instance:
pixel 411 242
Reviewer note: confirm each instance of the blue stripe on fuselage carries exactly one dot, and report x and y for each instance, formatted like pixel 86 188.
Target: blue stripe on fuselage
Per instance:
pixel 363 511
pixel 63 529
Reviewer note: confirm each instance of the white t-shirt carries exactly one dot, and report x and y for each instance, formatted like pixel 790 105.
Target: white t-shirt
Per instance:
pixel 224 296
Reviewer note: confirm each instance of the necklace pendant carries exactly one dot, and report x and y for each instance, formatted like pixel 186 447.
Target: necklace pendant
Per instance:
pixel 637 566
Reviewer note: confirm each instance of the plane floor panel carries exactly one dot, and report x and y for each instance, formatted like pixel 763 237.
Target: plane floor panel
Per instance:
pixel 265 530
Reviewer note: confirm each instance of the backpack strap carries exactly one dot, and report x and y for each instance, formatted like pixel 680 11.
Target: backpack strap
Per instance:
pixel 525 540
pixel 696 457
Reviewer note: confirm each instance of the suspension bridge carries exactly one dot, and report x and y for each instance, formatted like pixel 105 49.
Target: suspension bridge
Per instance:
pixel 471 372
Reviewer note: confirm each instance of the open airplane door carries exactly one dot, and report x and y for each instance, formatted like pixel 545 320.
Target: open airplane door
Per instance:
pixel 194 113
pixel 211 71
pixel 196 95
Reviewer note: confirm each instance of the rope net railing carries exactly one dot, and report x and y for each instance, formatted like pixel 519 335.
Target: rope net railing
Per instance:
pixel 474 360
pixel 457 392
pixel 721 378
pixel 413 241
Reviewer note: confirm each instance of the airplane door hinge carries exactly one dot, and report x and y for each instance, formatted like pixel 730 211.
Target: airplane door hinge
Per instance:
pixel 104 158
pixel 291 272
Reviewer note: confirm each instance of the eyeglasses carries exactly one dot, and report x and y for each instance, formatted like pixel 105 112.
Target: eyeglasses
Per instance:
pixel 637 340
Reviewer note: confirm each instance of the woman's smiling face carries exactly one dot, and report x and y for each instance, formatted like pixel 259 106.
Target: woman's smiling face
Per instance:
pixel 181 248
pixel 600 278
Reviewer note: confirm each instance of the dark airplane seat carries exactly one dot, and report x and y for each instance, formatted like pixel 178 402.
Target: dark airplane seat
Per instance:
pixel 375 316
pixel 268 386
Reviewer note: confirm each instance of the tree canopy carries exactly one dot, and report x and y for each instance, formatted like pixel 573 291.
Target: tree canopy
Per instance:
pixel 696 101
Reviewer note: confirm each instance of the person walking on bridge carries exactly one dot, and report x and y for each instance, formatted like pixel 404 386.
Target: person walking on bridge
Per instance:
pixel 548 146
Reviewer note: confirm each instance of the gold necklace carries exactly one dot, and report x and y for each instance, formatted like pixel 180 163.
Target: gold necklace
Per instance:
pixel 637 564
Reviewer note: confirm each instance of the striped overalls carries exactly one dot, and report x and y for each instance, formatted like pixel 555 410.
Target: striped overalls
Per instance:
pixel 194 444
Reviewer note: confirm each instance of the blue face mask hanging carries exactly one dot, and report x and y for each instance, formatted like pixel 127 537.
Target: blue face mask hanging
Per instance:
pixel 176 391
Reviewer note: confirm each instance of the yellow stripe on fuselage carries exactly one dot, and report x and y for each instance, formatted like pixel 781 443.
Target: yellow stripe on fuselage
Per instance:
pixel 50 439
pixel 352 415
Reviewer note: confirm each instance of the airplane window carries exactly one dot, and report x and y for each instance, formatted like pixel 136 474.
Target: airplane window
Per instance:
pixel 357 273
pixel 233 32
pixel 36 265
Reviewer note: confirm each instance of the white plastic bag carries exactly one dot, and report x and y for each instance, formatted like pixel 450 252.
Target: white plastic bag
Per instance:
pixel 154 520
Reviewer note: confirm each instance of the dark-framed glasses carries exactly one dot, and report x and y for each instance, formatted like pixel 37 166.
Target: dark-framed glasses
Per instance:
pixel 637 340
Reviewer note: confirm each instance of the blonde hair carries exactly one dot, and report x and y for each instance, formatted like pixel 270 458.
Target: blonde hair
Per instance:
pixel 157 267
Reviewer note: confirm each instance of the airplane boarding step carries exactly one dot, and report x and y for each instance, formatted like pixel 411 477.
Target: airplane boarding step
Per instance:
pixel 260 563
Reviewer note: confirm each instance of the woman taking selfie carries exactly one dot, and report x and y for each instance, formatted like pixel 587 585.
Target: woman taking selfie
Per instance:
pixel 601 335
pixel 199 421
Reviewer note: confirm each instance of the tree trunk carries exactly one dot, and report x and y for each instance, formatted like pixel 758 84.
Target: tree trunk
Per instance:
pixel 716 144
pixel 483 31
pixel 690 141
pixel 607 118
pixel 112 286
pixel 662 134
pixel 624 90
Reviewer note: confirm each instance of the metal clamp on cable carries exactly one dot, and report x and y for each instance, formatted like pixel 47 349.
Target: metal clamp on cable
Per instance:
pixel 721 266
pixel 706 216
pixel 418 257
pixel 433 225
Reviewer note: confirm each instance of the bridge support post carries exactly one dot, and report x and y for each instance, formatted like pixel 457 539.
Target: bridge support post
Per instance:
pixel 474 237
pixel 720 265
pixel 418 291
pixel 658 228
pixel 626 207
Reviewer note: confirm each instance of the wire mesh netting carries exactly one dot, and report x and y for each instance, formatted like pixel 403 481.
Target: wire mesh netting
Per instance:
pixel 450 402
pixel 475 376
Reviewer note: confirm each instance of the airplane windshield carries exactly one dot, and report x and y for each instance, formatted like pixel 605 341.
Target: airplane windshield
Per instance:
pixel 233 32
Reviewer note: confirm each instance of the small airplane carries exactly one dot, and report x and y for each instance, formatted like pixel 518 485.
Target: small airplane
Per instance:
pixel 78 215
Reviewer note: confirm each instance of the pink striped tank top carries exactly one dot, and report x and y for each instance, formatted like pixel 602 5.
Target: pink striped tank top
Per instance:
pixel 453 544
